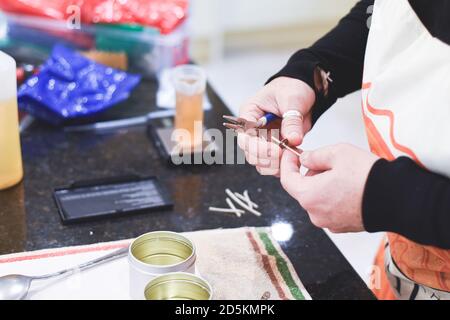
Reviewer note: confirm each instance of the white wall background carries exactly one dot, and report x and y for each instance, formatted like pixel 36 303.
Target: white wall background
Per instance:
pixel 244 15
pixel 211 20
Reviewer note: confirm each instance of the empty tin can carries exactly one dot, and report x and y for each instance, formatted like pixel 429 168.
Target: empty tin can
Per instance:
pixel 178 286
pixel 157 253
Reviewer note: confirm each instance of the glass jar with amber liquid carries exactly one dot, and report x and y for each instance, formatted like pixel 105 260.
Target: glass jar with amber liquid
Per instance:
pixel 11 171
pixel 189 82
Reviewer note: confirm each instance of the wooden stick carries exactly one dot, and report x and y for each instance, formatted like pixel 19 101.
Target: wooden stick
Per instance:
pixel 246 199
pixel 241 203
pixel 227 210
pixel 232 206
pixel 284 145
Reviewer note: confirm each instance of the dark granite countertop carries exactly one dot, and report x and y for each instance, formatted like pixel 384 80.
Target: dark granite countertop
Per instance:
pixel 29 219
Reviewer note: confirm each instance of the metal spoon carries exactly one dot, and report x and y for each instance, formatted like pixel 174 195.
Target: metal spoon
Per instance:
pixel 17 286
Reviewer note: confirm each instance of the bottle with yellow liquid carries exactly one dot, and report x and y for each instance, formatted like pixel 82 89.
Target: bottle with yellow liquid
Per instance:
pixel 11 171
pixel 190 83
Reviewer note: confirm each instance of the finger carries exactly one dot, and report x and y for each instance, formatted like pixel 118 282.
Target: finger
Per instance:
pixel 300 187
pixel 290 176
pixel 244 139
pixel 255 161
pixel 262 162
pixel 290 164
pixel 251 111
pixel 262 102
pixel 259 147
pixel 268 171
pixel 319 160
pixel 311 173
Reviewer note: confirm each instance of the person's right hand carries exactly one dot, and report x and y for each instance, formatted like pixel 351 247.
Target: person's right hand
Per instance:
pixel 278 96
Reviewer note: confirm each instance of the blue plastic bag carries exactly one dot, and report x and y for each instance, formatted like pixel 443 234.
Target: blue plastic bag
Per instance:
pixel 70 86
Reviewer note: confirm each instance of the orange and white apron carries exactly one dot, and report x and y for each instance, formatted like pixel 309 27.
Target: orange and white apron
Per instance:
pixel 406 109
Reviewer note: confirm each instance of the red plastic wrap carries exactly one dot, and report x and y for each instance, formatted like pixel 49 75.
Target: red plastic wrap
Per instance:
pixel 43 8
pixel 164 15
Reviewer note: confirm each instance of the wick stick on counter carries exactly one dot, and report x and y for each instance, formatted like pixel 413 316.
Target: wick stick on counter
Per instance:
pixel 232 206
pixel 242 203
pixel 249 200
pixel 227 210
pixel 246 199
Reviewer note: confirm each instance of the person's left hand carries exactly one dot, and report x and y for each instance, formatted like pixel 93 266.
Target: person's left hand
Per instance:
pixel 332 190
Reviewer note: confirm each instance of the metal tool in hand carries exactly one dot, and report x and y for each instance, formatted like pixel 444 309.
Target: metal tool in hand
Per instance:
pixel 17 286
pixel 237 123
pixel 283 144
pixel 241 124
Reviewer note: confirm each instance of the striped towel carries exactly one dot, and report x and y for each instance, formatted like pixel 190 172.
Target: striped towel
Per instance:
pixel 243 263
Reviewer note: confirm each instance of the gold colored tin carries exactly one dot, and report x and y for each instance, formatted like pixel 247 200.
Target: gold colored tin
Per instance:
pixel 162 248
pixel 178 286
pixel 157 253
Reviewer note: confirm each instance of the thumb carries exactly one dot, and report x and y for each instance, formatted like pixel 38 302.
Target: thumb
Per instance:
pixel 318 160
pixel 294 104
pixel 292 129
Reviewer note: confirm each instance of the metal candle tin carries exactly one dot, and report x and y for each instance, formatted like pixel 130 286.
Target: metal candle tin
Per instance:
pixel 178 286
pixel 157 253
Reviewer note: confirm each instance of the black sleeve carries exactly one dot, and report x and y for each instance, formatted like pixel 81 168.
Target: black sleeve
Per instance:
pixel 402 197
pixel 340 52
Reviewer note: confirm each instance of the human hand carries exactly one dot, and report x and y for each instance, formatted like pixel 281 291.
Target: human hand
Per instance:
pixel 332 190
pixel 278 96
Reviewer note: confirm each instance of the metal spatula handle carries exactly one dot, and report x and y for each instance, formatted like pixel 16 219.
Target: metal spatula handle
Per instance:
pixel 106 258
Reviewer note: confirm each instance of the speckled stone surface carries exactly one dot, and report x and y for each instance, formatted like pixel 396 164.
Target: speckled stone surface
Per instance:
pixel 29 219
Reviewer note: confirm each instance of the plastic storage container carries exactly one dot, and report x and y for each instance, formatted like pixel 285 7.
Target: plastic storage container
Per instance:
pixel 31 39
pixel 10 155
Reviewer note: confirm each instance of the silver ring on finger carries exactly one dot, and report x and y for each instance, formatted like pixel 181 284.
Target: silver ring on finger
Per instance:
pixel 293 113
